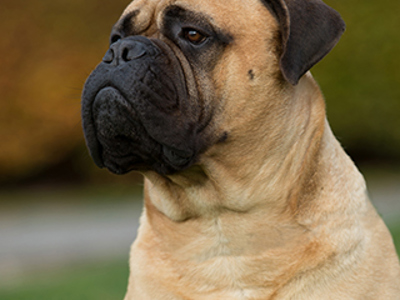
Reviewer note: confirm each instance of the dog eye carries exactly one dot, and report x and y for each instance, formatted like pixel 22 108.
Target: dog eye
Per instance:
pixel 193 36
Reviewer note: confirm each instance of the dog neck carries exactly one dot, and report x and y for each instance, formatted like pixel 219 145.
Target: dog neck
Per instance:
pixel 257 203
pixel 259 168
pixel 267 208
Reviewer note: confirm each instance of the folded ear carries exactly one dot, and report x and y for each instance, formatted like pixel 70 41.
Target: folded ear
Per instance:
pixel 309 29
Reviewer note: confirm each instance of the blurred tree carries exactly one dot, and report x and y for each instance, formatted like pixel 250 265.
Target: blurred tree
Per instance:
pixel 47 50
pixel 361 80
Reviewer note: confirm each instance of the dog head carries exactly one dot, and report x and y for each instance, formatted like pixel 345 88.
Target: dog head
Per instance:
pixel 182 76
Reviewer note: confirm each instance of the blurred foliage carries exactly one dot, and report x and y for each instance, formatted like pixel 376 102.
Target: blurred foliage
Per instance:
pixel 49 47
pixel 47 50
pixel 360 79
pixel 102 281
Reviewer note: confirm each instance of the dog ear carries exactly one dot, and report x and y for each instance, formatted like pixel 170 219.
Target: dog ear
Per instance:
pixel 309 30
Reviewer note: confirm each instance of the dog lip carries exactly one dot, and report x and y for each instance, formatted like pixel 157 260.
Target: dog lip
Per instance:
pixel 108 86
pixel 96 154
pixel 97 149
pixel 93 143
pixel 112 164
pixel 117 147
pixel 177 157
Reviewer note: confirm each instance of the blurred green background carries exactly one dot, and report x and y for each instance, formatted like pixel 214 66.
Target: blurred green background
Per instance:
pixel 47 50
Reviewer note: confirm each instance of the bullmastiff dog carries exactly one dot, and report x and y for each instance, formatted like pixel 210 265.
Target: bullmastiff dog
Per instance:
pixel 248 195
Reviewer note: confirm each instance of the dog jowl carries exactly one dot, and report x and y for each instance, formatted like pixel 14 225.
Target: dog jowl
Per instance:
pixel 134 115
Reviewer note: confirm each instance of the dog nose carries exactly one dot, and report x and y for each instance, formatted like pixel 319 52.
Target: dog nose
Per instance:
pixel 124 51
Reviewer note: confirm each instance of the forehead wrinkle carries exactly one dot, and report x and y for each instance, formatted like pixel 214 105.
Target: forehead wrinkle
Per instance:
pixel 201 16
pixel 126 24
pixel 220 13
pixel 148 12
pixel 187 15
pixel 160 9
pixel 215 13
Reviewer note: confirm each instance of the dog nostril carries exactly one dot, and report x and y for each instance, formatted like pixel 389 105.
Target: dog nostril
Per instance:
pixel 124 51
pixel 125 54
pixel 109 57
pixel 133 51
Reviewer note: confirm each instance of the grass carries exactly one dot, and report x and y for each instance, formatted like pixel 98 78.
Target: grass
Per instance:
pixel 101 282
pixel 395 230
pixel 98 282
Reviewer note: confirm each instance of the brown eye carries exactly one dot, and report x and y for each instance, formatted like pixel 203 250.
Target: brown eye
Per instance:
pixel 193 36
